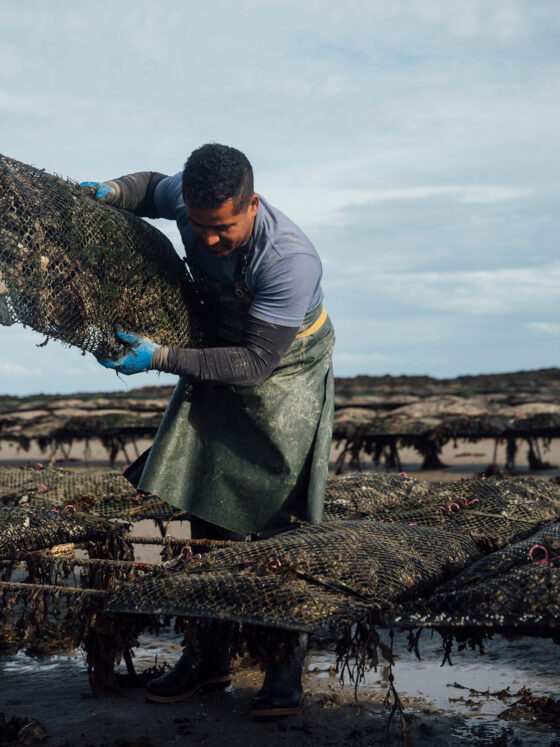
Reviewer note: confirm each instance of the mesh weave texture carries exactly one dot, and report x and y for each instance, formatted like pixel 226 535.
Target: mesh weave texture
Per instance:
pixel 102 492
pixel 479 553
pixel 493 511
pixel 73 268
pixel 317 579
pixel 24 529
pixel 408 539
pixel 516 587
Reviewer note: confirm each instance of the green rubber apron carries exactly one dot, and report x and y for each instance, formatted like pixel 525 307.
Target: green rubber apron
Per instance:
pixel 250 459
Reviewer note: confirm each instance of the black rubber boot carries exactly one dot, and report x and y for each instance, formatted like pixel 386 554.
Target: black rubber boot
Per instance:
pixel 209 670
pixel 282 691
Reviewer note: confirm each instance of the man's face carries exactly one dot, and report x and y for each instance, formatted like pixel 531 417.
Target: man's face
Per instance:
pixel 221 229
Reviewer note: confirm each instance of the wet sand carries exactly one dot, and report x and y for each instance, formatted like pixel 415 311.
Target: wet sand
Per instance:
pixel 443 705
pixel 440 709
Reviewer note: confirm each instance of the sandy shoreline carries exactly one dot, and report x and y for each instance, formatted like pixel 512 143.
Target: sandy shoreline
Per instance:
pixel 461 459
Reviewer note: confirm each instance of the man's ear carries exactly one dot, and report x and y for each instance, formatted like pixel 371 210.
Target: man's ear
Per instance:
pixel 254 205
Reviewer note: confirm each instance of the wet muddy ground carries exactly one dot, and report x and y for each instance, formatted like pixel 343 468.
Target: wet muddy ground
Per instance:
pixel 463 704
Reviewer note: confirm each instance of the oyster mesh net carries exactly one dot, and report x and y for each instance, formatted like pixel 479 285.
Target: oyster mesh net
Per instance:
pixel 408 539
pixel 73 268
pixel 516 587
pixel 493 511
pixel 102 492
pixel 392 550
pixel 316 579
pixel 24 529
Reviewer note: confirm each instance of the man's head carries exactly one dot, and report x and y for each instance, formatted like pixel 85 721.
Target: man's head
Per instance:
pixel 219 196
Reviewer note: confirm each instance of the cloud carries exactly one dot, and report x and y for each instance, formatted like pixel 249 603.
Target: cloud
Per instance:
pixel 361 357
pixel 15 371
pixel 16 103
pixel 316 206
pixel 472 293
pixel 547 328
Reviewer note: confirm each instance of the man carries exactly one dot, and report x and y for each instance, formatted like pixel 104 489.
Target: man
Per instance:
pixel 243 446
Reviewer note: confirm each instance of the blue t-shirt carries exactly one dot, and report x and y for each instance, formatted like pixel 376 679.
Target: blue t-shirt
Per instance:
pixel 284 274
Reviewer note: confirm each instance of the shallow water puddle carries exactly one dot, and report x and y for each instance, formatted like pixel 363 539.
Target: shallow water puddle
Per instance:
pixel 24 664
pixel 530 663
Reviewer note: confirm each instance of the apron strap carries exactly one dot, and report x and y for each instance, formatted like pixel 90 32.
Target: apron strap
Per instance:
pixel 242 263
pixel 244 258
pixel 317 324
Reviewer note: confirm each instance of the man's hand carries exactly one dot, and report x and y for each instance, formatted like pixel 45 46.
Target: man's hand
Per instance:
pixel 137 359
pixel 103 192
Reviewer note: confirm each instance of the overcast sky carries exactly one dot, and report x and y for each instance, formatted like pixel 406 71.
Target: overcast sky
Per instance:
pixel 416 142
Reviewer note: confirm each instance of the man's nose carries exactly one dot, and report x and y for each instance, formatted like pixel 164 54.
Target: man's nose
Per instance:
pixel 210 238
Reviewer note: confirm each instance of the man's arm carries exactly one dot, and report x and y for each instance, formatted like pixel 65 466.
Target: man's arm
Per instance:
pixel 261 349
pixel 247 364
pixel 134 192
pixel 283 295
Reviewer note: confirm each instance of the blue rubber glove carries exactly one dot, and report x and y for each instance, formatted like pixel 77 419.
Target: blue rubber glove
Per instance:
pixel 103 191
pixel 137 359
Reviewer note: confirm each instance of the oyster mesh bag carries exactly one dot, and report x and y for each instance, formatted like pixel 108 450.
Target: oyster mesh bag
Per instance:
pixel 481 553
pixel 493 511
pixel 516 587
pixel 73 268
pixel 317 579
pixel 103 492
pixel 405 540
pixel 24 529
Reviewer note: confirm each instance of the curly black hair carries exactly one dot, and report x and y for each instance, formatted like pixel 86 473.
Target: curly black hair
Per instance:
pixel 215 173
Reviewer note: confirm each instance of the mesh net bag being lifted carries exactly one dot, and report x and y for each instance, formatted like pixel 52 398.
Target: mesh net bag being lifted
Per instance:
pixel 73 268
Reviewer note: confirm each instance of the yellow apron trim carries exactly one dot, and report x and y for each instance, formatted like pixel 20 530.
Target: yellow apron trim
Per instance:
pixel 317 324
